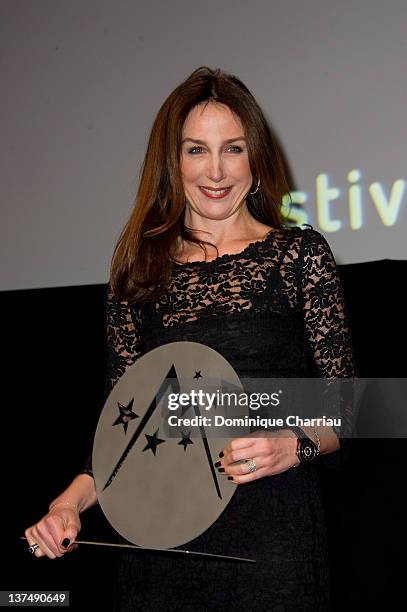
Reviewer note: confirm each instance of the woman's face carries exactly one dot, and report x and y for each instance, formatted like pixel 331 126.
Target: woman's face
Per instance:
pixel 214 161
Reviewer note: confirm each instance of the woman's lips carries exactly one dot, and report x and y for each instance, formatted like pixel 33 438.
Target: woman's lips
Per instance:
pixel 215 194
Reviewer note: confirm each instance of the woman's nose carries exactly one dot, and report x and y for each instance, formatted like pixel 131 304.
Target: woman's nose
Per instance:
pixel 215 168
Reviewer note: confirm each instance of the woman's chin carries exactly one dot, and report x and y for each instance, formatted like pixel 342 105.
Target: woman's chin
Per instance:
pixel 215 211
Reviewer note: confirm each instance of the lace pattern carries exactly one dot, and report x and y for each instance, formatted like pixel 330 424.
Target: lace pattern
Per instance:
pixel 123 327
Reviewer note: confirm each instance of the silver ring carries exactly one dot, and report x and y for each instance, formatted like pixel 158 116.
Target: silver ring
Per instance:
pixel 251 465
pixel 33 548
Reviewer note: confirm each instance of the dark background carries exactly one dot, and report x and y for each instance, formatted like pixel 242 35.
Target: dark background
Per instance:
pixel 53 379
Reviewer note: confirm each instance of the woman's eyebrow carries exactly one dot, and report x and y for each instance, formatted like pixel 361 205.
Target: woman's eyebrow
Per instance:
pixel 202 142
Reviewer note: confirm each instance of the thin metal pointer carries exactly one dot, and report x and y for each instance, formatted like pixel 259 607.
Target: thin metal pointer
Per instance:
pixel 165 550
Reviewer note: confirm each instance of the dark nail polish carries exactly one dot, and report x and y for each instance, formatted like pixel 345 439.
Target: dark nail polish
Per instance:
pixel 221 469
pixel 221 454
pixel 65 542
pixel 217 464
pixel 230 477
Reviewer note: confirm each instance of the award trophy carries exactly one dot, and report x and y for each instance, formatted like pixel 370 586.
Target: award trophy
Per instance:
pixel 156 445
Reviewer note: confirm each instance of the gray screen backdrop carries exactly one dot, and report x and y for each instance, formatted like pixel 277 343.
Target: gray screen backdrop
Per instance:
pixel 83 79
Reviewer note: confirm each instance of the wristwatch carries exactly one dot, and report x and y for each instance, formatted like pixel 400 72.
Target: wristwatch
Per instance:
pixel 307 450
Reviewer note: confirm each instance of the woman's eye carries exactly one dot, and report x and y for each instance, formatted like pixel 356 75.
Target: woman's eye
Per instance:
pixel 235 149
pixel 195 150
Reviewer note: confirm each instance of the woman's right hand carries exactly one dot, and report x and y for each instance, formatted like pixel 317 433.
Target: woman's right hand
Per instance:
pixel 56 532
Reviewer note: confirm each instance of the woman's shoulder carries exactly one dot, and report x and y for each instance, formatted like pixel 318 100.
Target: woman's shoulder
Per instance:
pixel 290 234
pixel 305 235
pixel 293 243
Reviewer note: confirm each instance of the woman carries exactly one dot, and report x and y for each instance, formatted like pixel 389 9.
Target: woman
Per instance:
pixel 204 255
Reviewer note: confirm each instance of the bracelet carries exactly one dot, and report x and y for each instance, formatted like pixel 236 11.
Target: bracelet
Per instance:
pixel 67 503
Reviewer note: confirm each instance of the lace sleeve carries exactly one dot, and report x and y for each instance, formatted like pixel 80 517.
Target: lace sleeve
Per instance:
pixel 327 329
pixel 326 322
pixel 123 339
pixel 122 347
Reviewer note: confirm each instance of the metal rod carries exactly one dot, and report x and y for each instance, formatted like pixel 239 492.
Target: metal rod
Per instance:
pixel 165 550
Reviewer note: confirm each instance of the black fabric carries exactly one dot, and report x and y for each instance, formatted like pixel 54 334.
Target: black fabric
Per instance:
pixel 275 309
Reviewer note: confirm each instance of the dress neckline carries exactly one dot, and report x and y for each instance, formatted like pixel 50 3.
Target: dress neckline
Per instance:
pixel 227 256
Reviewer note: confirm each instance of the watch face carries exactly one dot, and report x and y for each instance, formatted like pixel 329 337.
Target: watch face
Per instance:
pixel 307 450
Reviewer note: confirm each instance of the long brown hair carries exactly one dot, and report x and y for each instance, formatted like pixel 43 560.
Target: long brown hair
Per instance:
pixel 143 256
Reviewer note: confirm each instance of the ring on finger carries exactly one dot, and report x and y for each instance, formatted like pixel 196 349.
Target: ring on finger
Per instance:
pixel 251 466
pixel 33 547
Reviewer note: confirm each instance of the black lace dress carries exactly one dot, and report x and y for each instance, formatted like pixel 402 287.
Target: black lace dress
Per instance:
pixel 274 310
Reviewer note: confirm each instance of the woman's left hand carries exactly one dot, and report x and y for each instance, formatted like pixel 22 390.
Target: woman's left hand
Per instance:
pixel 272 453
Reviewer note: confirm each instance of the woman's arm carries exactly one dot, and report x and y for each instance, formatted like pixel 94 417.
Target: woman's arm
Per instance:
pixel 80 494
pixel 56 532
pixel 123 327
pixel 326 324
pixel 328 340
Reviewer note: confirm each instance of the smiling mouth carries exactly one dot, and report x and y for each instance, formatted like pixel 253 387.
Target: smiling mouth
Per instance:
pixel 216 194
